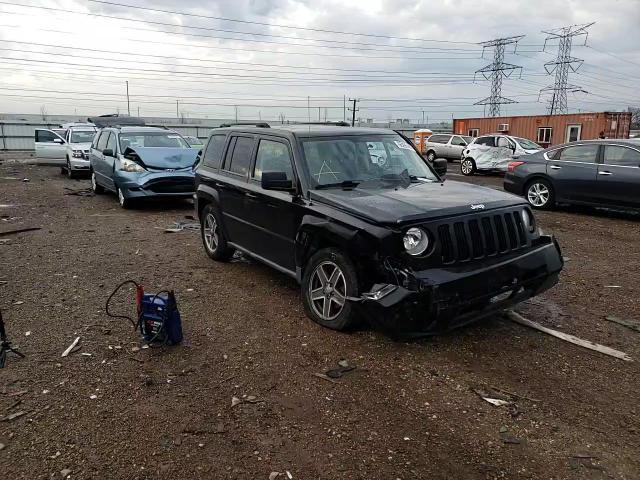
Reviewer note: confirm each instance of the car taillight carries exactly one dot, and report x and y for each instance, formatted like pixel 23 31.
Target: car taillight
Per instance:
pixel 513 165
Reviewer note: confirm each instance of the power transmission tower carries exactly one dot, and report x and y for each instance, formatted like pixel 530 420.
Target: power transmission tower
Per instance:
pixel 353 110
pixel 563 63
pixel 496 71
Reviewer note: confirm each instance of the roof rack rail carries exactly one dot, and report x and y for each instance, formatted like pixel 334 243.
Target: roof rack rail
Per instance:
pixel 248 124
pixel 335 124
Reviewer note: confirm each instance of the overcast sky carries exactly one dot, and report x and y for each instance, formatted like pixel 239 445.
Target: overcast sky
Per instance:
pixel 409 59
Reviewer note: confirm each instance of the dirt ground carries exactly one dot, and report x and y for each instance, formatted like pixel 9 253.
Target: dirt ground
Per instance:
pixel 408 411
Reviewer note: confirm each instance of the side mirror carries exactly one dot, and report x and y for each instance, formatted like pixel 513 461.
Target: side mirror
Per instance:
pixel 440 166
pixel 107 152
pixel 58 141
pixel 276 181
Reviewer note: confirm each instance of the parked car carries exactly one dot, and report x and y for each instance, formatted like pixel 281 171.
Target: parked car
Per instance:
pixel 194 142
pixel 494 152
pixel 445 146
pixel 364 224
pixel 142 163
pixel 596 172
pixel 68 147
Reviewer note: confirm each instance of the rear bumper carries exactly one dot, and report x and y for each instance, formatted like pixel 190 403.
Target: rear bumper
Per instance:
pixel 513 184
pixel 449 298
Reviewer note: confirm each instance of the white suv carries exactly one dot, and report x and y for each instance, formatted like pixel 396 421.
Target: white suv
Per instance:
pixel 494 152
pixel 69 148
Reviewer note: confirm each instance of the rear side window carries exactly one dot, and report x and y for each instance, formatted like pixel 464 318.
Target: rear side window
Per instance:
pixel 579 153
pixel 439 138
pixel 241 157
pixel 458 141
pixel 616 155
pixel 486 141
pixel 111 143
pixel 215 149
pixel 102 141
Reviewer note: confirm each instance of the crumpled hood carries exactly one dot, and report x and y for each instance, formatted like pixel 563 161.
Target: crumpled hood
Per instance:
pixel 162 158
pixel 418 201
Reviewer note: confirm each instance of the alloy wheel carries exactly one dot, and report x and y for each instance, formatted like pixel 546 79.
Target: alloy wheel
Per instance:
pixel 538 194
pixel 467 167
pixel 94 184
pixel 69 172
pixel 210 232
pixel 121 198
pixel 431 157
pixel 327 290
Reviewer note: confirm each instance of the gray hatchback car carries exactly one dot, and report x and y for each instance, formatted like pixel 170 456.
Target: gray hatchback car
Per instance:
pixel 445 146
pixel 142 162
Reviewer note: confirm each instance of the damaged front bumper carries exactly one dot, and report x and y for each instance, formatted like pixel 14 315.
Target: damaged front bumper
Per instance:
pixel 444 298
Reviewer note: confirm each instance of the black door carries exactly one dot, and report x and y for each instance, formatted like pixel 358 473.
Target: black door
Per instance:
pixel 619 176
pixel 274 215
pixel 574 172
pixel 232 188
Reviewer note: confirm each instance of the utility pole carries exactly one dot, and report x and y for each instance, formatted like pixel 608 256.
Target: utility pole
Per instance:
pixel 563 63
pixel 236 108
pixel 496 71
pixel 138 111
pixel 309 108
pixel 319 119
pixel 344 108
pixel 177 108
pixel 128 107
pixel 353 110
pixel 423 118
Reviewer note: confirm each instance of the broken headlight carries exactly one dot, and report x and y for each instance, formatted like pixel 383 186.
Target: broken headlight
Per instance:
pixel 416 241
pixel 130 166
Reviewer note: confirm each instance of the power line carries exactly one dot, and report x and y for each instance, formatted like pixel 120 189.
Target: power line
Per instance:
pixel 238 32
pixel 173 12
pixel 496 71
pixel 563 63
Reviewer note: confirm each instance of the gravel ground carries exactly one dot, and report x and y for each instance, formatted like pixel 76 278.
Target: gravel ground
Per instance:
pixel 408 411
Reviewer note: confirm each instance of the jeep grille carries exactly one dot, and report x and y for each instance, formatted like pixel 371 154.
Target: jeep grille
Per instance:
pixel 481 236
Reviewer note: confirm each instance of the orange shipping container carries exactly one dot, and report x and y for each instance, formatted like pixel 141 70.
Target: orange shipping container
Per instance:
pixel 550 129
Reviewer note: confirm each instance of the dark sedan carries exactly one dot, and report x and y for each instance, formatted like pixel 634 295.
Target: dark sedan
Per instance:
pixel 602 173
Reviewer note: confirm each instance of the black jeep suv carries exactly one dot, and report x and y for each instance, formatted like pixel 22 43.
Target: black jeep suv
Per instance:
pixel 365 225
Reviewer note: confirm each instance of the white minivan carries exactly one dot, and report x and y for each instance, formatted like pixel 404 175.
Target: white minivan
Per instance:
pixel 494 152
pixel 68 147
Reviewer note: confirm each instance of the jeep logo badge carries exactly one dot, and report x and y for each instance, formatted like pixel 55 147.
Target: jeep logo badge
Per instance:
pixel 477 206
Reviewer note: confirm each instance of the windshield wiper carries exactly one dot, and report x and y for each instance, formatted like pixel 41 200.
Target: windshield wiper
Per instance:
pixel 346 184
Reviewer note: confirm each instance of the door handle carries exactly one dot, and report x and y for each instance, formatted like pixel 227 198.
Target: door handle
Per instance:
pixel 605 173
pixel 555 167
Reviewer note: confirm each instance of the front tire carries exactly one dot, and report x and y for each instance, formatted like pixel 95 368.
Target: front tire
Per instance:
pixel 431 156
pixel 539 194
pixel 329 279
pixel 70 173
pixel 122 200
pixel 213 236
pixel 468 166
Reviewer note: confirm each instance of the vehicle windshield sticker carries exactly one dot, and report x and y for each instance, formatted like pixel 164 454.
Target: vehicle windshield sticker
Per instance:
pixel 402 144
pixel 327 172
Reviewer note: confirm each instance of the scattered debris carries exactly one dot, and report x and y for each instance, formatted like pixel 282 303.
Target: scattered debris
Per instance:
pixel 626 323
pixel 135 349
pixel 289 476
pixel 93 397
pixel 20 230
pixel 13 416
pixel 510 439
pixel 19 302
pixel 235 401
pixel 515 395
pixel 65 473
pixel 82 192
pixel 613 286
pixel 17 394
pixel 86 354
pixel 339 372
pixel 343 363
pixel 324 377
pixel 503 429
pixel 71 347
pixel 496 401
pixel 180 226
pixel 274 475
pixel 569 338
pixel 26 180
pixel 2 447
pixel 27 333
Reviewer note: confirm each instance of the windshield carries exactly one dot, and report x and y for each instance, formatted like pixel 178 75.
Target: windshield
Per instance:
pixel 363 158
pixel 193 140
pixel 528 144
pixel 152 139
pixel 80 136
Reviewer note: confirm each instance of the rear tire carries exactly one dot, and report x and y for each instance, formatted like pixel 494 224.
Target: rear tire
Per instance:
pixel 329 278
pixel 213 236
pixel 97 189
pixel 468 166
pixel 539 193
